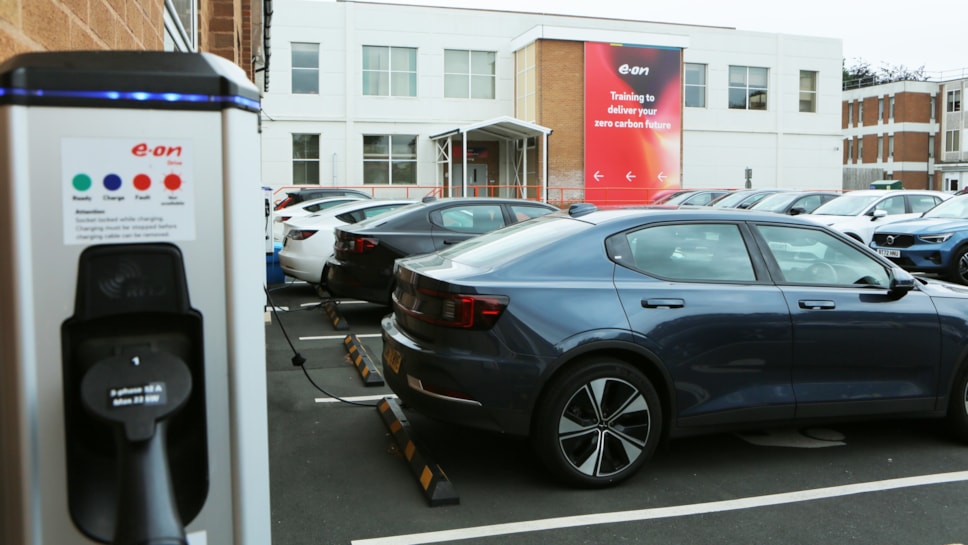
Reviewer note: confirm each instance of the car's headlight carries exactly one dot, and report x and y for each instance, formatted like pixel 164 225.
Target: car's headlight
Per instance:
pixel 935 239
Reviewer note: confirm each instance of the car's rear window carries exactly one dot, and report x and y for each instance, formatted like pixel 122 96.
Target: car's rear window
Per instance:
pixel 515 240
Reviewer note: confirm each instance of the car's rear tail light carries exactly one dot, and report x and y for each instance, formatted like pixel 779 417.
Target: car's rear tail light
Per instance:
pixel 283 219
pixel 456 310
pixel 356 245
pixel 301 234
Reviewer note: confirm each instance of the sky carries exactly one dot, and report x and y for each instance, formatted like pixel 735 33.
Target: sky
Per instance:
pixel 891 33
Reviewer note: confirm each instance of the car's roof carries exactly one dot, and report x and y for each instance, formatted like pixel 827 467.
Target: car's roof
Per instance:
pixel 673 213
pixel 867 192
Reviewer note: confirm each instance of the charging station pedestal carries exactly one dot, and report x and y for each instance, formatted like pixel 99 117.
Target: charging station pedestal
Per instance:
pixel 132 342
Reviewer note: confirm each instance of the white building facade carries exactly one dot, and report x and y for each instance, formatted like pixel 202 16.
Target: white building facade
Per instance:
pixel 394 98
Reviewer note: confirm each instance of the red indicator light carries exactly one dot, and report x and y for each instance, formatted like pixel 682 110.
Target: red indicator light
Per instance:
pixel 173 182
pixel 142 182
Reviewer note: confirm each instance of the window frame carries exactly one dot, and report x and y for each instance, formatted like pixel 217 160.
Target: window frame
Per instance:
pixel 391 73
pixel 694 87
pixel 953 101
pixel 306 72
pixel 305 163
pixel 471 76
pixel 752 94
pixel 392 158
pixel 808 97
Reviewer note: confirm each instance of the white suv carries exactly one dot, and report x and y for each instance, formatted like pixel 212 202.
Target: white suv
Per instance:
pixel 857 213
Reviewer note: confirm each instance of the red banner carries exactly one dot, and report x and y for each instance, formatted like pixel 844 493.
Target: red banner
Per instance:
pixel 633 122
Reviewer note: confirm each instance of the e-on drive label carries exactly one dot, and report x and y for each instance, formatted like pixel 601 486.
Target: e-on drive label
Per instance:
pixel 127 190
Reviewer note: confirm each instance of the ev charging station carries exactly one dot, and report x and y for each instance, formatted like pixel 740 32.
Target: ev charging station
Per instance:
pixel 132 342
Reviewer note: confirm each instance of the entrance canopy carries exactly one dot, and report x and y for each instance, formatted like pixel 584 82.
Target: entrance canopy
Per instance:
pixel 513 135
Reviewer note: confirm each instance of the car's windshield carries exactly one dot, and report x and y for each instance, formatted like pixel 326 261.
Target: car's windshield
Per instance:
pixel 775 203
pixel 518 239
pixel 956 208
pixel 846 205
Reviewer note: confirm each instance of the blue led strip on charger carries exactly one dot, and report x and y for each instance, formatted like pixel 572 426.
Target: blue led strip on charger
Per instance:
pixel 137 96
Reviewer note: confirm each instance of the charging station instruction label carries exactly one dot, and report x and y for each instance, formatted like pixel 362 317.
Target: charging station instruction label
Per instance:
pixel 127 190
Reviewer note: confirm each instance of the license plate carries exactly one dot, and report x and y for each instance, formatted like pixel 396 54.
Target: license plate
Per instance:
pixel 392 358
pixel 889 253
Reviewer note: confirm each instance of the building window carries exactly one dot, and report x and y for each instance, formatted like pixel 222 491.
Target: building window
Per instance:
pixel 930 145
pixel 469 74
pixel 952 140
pixel 934 106
pixel 880 148
pixel 890 146
pixel 860 112
pixel 305 159
pixel 954 101
pixel 850 150
pixel 390 159
pixel 892 107
pixel 860 149
pixel 808 91
pixel 305 69
pixel 747 87
pixel 850 113
pixel 695 86
pixel 880 110
pixel 181 32
pixel 525 85
pixel 389 71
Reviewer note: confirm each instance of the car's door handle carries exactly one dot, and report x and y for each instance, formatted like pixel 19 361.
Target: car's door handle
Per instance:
pixel 812 304
pixel 663 303
pixel 451 241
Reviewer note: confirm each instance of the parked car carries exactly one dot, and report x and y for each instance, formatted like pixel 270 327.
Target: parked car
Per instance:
pixel 308 194
pixel 364 253
pixel 309 240
pixel 742 198
pixel 857 213
pixel 936 242
pixel 302 209
pixel 696 197
pixel 794 202
pixel 596 333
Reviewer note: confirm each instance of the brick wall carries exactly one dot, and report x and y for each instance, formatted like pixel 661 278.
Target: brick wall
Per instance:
pixel 64 25
pixel 561 90
pixel 58 25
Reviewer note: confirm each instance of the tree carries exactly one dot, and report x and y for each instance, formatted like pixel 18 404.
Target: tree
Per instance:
pixel 860 74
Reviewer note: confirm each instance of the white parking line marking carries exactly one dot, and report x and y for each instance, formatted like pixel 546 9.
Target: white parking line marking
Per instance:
pixel 354 398
pixel 665 512
pixel 340 337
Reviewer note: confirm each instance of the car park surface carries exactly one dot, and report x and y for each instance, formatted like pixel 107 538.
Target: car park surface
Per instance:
pixel 309 240
pixel 857 213
pixel 338 477
pixel 364 253
pixel 935 242
pixel 671 322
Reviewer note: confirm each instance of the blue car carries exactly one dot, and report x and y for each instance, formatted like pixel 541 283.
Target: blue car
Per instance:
pixel 936 242
pixel 599 333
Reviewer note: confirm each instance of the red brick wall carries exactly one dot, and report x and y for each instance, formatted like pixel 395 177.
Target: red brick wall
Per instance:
pixel 561 90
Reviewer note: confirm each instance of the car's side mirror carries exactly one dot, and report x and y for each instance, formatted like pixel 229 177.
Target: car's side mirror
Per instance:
pixel 796 211
pixel 878 214
pixel 901 282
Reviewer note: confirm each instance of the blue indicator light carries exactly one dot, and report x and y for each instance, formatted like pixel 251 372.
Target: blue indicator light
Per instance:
pixel 140 96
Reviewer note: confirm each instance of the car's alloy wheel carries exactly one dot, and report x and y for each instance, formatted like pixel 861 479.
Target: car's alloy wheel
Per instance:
pixel 958 405
pixel 959 267
pixel 598 424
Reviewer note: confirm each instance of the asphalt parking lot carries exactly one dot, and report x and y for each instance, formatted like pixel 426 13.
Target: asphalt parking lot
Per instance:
pixel 338 475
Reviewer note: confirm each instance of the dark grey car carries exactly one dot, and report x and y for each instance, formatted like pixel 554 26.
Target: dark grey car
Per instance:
pixel 598 333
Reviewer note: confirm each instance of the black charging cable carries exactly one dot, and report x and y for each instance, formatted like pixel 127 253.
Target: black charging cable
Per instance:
pixel 299 361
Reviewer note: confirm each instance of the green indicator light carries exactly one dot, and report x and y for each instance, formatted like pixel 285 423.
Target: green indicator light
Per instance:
pixel 81 182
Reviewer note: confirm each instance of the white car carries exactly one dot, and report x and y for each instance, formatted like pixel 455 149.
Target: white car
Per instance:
pixel 309 239
pixel 857 213
pixel 305 208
